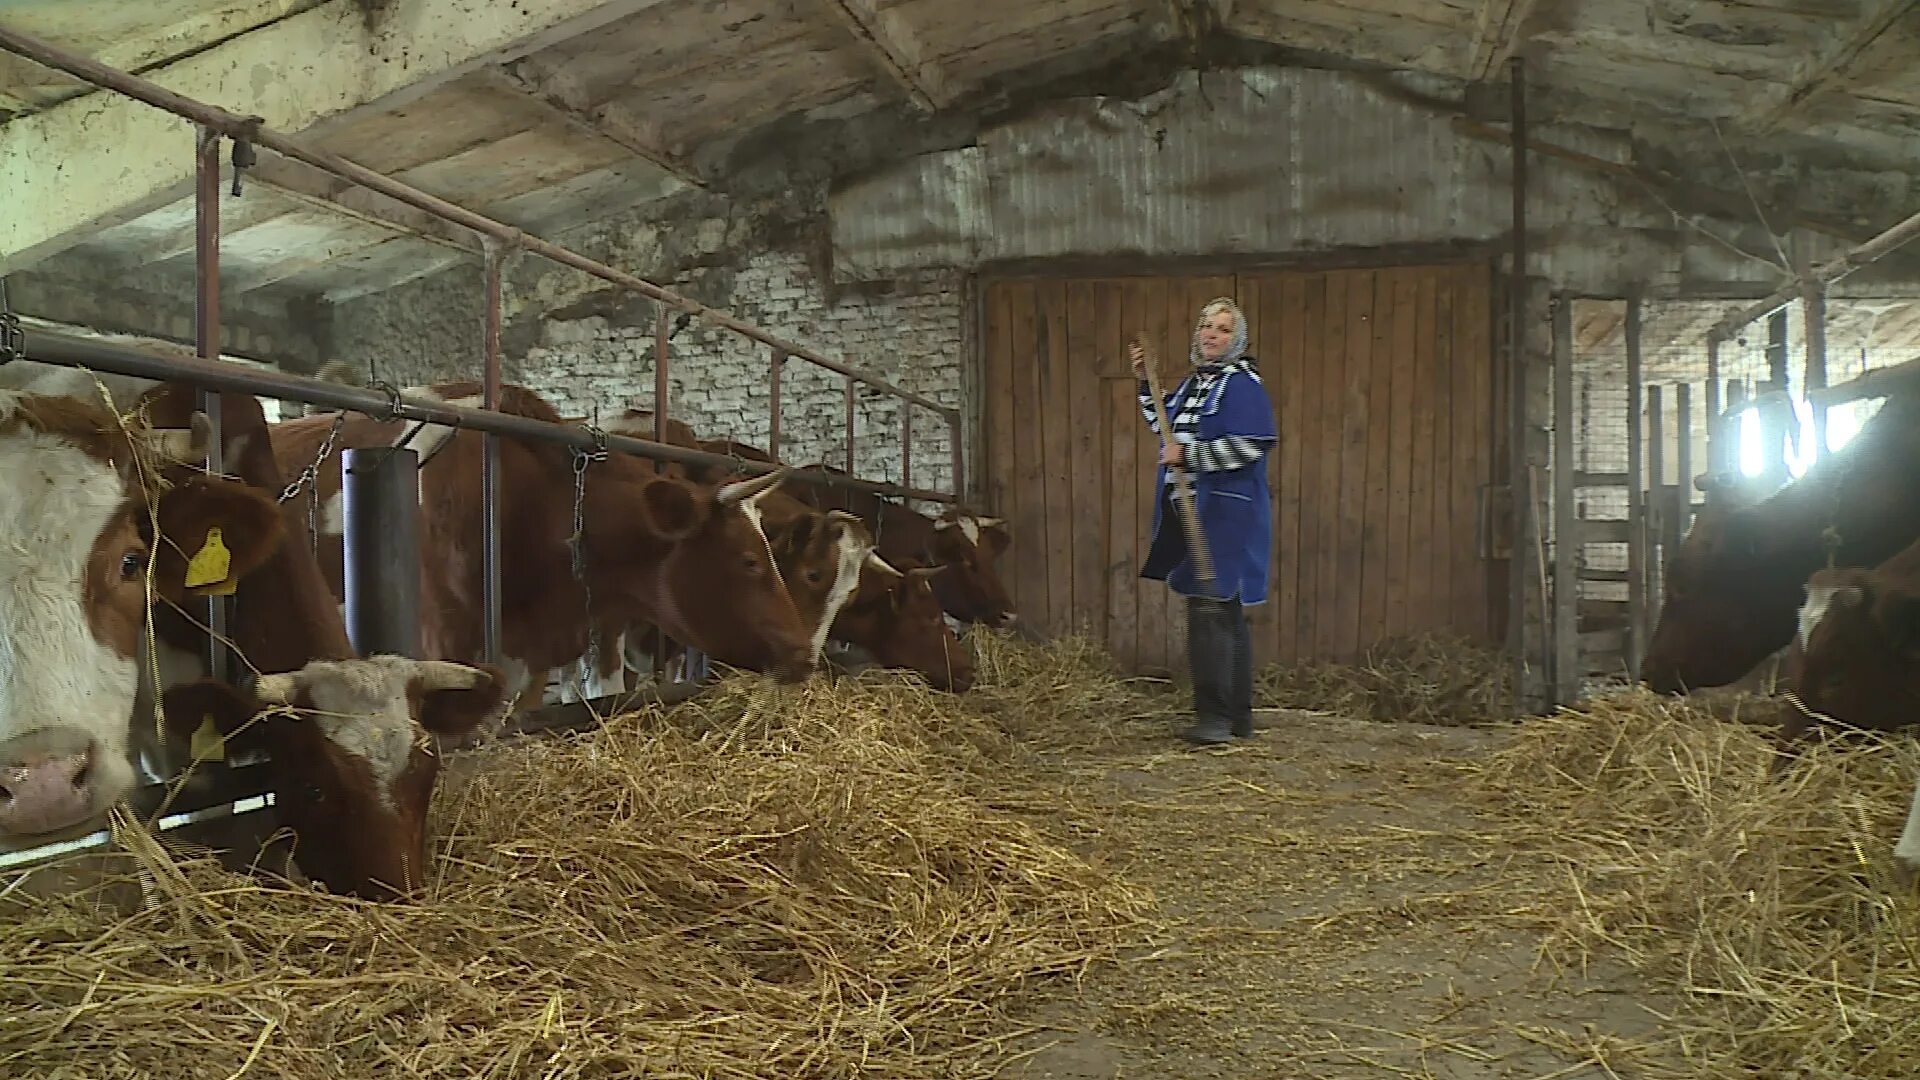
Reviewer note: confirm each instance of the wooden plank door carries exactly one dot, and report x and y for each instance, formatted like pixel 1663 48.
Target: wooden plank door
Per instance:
pixel 1382 383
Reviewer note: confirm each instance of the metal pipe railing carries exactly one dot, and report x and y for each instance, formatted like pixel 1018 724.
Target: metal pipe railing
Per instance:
pixel 65 349
pixel 252 129
pixel 1862 254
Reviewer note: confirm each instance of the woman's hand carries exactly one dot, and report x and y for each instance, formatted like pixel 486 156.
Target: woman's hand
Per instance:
pixel 1170 454
pixel 1139 358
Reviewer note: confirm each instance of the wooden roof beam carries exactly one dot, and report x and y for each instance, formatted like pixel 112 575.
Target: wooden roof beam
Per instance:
pixel 1496 32
pixel 309 186
pixel 563 96
pixel 899 50
pixel 1825 72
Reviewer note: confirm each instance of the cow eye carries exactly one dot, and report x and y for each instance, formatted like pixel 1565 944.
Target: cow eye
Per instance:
pixel 813 577
pixel 132 565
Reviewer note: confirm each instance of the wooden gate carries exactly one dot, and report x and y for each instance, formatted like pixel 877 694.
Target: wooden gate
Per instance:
pixel 1383 388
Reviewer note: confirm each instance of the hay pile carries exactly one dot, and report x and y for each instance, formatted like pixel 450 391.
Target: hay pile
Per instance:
pixel 822 881
pixel 1426 678
pixel 1766 903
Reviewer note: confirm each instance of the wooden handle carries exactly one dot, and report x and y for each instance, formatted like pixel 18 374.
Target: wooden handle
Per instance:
pixel 1182 492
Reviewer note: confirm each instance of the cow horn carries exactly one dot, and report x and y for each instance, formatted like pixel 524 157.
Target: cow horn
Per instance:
pixel 753 487
pixel 988 523
pixel 842 515
pixel 926 573
pixel 943 523
pixel 446 675
pixel 180 444
pixel 276 689
pixel 874 560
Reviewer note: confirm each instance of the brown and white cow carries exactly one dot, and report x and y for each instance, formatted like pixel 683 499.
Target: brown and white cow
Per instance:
pixel 89 518
pixel 895 618
pixel 353 766
pixel 968 544
pixel 692 558
pixel 284 620
pixel 1856 655
pixel 1733 588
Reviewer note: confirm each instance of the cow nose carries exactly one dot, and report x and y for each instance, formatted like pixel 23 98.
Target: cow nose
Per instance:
pixel 44 792
pixel 1007 620
pixel 795 668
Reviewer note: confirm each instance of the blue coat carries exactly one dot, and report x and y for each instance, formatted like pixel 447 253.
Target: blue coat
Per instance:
pixel 1236 509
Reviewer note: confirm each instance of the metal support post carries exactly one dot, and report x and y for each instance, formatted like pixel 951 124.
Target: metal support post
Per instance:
pixel 381 489
pixel 490 462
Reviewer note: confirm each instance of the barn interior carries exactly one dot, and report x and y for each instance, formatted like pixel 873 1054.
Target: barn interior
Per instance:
pixel 1515 272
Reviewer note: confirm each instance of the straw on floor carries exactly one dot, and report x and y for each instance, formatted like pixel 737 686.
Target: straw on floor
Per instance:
pixel 1765 902
pixel 824 881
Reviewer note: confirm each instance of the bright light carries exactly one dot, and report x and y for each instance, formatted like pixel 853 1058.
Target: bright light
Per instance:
pixel 1843 423
pixel 1752 460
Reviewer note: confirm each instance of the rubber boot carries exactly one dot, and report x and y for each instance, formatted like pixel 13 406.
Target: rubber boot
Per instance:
pixel 1241 700
pixel 1210 660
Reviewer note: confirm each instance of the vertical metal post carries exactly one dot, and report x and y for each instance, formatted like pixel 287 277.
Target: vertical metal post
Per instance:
pixel 959 456
pixel 490 459
pixel 1638 625
pixel 1566 538
pixel 1816 373
pixel 1517 474
pixel 906 444
pixel 381 490
pixel 850 406
pixel 660 362
pixel 1656 498
pixel 206 320
pixel 1773 433
pixel 1716 434
pixel 773 404
pixel 1729 460
pixel 1683 461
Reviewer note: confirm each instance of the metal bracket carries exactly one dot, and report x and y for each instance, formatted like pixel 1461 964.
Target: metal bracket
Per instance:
pixel 13 338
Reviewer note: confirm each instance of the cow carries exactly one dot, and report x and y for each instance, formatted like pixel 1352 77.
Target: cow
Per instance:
pixel 968 544
pixel 92 516
pixel 1856 654
pixel 691 558
pixel 1733 587
pixel 283 621
pixel 895 618
pixel 889 624
pixel 353 770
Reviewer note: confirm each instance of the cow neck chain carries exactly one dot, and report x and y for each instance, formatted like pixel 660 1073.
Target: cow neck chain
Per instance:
pixel 577 543
pixel 309 479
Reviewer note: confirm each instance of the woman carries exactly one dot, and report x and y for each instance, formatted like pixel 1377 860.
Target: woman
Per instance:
pixel 1222 432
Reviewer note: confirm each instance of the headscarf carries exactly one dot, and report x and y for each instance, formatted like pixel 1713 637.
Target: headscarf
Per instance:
pixel 1235 347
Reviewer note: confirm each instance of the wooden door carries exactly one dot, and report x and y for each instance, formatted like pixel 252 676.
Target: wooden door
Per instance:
pixel 1383 389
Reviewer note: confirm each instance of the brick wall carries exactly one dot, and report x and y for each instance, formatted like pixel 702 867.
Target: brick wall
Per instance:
pixel 908 331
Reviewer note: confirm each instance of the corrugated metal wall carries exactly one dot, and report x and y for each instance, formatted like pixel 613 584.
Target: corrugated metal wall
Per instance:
pixel 1254 161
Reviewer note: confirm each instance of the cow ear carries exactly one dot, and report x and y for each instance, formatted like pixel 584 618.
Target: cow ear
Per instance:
pixel 994 538
pixel 456 698
pixel 213 532
pixel 1897 613
pixel 230 713
pixel 675 509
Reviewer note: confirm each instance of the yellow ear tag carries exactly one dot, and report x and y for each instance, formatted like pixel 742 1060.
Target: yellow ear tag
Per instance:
pixel 210 564
pixel 207 745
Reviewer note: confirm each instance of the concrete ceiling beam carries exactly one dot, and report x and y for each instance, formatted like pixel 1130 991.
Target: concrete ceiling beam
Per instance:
pixel 563 96
pixel 899 50
pixel 1825 71
pixel 102 159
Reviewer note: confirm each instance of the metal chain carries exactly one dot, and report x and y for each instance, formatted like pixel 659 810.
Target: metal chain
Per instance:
pixel 309 478
pixel 577 545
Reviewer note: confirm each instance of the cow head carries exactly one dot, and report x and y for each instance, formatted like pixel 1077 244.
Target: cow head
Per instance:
pixel 896 617
pixel 1857 648
pixel 717 588
pixel 820 556
pixel 1729 596
pixel 968 545
pixel 87 515
pixel 353 766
